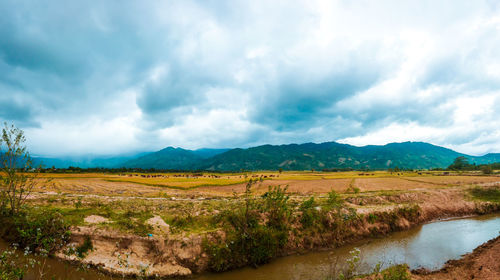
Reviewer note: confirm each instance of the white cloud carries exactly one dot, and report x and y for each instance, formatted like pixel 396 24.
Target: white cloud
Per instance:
pixel 144 75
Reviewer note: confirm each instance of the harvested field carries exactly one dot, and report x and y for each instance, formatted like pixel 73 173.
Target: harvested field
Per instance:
pixel 384 184
pixel 98 186
pixel 209 185
pixel 456 180
pixel 298 187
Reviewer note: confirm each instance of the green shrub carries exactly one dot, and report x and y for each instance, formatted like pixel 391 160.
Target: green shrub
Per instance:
pixel 309 214
pixel 396 272
pixel 276 208
pixel 248 242
pixel 36 230
pixel 334 200
pixel 82 250
pixel 372 218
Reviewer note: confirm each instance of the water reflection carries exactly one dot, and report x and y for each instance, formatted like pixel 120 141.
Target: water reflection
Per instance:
pixel 428 246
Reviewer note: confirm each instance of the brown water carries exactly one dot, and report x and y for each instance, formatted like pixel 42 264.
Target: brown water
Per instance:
pixel 429 246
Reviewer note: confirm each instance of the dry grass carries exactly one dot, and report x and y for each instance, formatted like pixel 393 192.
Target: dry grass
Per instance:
pixel 457 180
pixel 385 184
pixel 304 183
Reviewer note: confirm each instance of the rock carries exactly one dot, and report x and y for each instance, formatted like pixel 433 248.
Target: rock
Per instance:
pixel 159 225
pixel 95 219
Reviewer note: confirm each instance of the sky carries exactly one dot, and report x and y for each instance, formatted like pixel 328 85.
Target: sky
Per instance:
pixel 112 77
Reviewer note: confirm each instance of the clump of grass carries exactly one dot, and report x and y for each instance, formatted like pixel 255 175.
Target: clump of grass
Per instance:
pixel 395 272
pixel 82 250
pixel 491 194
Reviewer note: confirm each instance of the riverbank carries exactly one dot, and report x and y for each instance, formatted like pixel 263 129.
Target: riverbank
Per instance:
pixel 168 255
pixel 171 232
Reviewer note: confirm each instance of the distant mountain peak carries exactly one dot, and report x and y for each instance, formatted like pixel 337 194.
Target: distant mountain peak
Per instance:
pixel 306 156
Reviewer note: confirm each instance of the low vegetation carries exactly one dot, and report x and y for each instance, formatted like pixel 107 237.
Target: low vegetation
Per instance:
pixel 242 219
pixel 491 194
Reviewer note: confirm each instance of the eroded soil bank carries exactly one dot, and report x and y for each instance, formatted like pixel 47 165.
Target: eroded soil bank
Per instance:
pixel 167 255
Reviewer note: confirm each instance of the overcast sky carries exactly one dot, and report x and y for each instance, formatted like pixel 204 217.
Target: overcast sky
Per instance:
pixel 108 77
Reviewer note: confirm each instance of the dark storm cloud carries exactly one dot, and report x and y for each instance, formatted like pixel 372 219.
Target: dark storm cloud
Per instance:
pixel 146 74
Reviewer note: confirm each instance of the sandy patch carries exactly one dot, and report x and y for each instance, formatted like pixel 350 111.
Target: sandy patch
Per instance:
pixel 159 225
pixel 96 219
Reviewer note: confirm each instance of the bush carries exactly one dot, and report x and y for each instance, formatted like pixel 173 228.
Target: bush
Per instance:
pixel 372 218
pixel 36 230
pixel 309 214
pixel 82 250
pixel 334 200
pixel 276 207
pixel 487 170
pixel 248 242
pixel 396 272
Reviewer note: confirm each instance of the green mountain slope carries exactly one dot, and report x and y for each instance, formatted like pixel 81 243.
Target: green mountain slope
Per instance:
pixel 168 158
pixel 413 155
pixel 172 158
pixel 329 155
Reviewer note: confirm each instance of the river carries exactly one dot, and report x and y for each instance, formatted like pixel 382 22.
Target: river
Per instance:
pixel 429 246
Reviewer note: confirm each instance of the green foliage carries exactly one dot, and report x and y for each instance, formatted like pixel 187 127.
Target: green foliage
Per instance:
pixel 276 207
pixel 347 270
pixel 82 250
pixel 309 214
pixel 36 230
pixel 486 169
pixel 248 241
pixel 78 203
pixel 334 200
pixel 491 194
pixel 409 155
pixel 396 272
pixel 372 218
pixel 10 267
pixel 460 163
pixel 133 220
pixel 16 177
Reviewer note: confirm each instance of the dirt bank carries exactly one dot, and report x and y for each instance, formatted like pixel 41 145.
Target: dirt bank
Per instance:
pixel 165 254
pixel 482 263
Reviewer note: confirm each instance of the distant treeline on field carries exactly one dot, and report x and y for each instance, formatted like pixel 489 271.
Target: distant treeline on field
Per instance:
pixel 462 163
pixel 459 164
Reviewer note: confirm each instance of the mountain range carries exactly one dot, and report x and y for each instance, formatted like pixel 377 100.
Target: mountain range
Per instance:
pixel 328 155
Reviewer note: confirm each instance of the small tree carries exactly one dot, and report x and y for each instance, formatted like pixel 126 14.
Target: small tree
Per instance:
pixel 16 165
pixel 460 163
pixel 487 169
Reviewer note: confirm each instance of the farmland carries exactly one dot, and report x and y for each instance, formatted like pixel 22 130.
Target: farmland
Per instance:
pixel 217 184
pixel 184 215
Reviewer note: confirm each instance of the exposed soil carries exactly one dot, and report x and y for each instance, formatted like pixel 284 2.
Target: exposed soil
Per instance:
pixel 164 254
pixel 96 219
pixel 482 263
